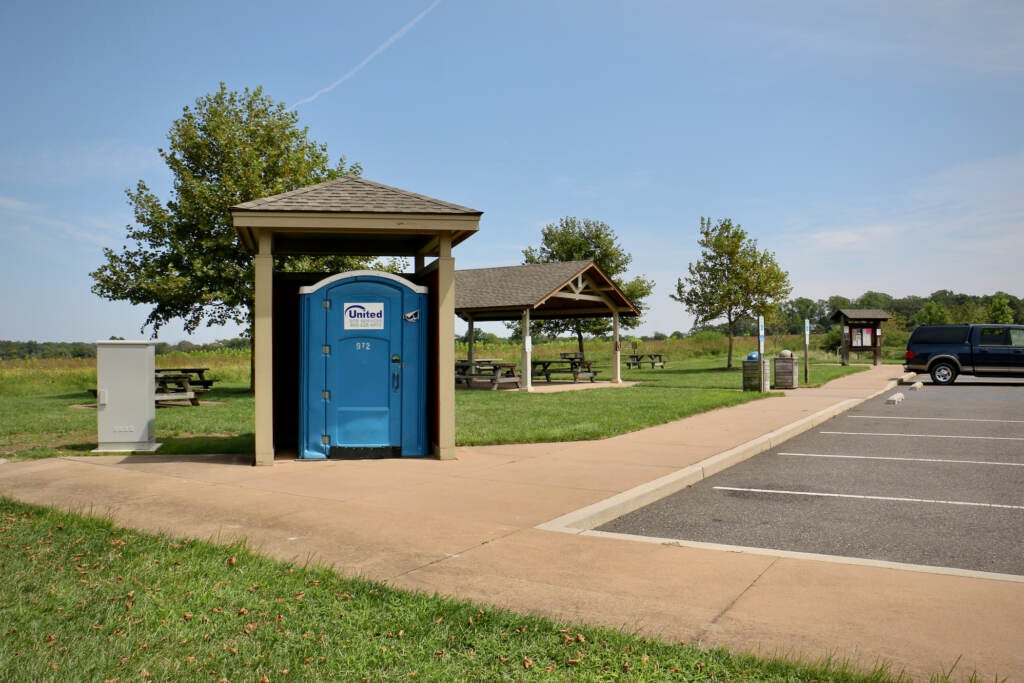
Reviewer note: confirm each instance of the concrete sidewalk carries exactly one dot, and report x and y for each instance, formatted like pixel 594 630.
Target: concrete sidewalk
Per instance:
pixel 469 528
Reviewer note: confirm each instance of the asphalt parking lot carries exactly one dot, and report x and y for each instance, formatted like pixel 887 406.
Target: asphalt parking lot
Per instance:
pixel 935 480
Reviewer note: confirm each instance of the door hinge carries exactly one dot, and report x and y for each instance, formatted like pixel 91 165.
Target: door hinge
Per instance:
pixel 327 396
pixel 327 303
pixel 326 440
pixel 327 350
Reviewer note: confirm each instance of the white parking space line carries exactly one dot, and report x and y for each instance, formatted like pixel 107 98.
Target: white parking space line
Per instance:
pixel 930 436
pixel 882 457
pixel 861 497
pixel 936 419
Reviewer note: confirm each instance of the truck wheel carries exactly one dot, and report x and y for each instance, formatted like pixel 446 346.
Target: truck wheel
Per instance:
pixel 943 373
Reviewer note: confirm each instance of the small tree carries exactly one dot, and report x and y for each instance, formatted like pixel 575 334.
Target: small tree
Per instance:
pixel 572 239
pixel 732 279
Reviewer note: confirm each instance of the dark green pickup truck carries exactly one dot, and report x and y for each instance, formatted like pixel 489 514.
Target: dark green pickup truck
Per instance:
pixel 947 351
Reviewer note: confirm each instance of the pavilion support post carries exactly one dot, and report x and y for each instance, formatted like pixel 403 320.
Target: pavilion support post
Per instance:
pixel 418 263
pixel 444 449
pixel 264 357
pixel 471 335
pixel 525 366
pixel 617 353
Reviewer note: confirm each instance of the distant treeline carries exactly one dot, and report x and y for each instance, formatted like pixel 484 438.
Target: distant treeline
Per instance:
pixel 941 308
pixel 23 350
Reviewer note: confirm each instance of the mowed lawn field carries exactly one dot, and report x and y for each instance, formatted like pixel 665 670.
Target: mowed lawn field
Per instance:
pixel 83 599
pixel 46 408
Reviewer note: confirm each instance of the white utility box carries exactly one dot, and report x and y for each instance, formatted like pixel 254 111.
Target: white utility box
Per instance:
pixel 125 404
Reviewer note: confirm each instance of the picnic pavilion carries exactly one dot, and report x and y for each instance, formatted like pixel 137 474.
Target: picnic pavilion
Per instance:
pixel 541 291
pixel 349 216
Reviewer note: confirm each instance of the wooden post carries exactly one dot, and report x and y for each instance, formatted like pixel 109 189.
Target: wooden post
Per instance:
pixel 471 335
pixel 263 332
pixel 444 449
pixel 847 340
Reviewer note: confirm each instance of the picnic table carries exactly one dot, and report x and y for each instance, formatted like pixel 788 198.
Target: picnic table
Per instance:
pixel 569 363
pixel 179 384
pixel 635 360
pixel 491 370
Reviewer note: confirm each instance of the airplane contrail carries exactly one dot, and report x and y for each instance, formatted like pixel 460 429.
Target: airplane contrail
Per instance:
pixel 369 58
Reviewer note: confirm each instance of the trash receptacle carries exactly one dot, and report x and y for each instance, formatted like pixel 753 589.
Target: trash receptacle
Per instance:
pixel 786 371
pixel 752 379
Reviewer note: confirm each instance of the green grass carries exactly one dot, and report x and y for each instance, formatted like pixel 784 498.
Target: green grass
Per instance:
pixel 46 409
pixel 491 417
pixel 84 600
pixel 45 406
pixel 81 599
pixel 681 389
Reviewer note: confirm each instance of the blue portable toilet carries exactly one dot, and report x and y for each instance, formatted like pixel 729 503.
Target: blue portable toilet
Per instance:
pixel 363 369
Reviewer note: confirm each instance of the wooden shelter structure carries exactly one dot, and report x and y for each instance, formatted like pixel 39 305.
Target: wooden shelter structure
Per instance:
pixel 862 331
pixel 349 216
pixel 541 291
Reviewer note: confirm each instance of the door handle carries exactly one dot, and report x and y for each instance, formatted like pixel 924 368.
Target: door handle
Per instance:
pixel 394 378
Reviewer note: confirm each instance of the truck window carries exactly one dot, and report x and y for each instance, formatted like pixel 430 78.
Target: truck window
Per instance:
pixel 994 336
pixel 1017 338
pixel 940 334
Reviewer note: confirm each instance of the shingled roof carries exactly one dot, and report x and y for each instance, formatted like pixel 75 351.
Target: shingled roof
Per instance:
pixel 353 194
pixel 565 289
pixel 860 314
pixel 353 216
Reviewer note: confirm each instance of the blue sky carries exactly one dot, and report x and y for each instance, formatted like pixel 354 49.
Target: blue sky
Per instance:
pixel 870 145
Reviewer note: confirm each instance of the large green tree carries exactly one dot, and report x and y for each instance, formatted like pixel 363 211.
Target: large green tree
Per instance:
pixel 732 278
pixel 573 239
pixel 932 313
pixel 999 310
pixel 182 256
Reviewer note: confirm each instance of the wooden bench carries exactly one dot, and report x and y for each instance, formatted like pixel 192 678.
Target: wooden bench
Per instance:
pixel 175 386
pixel 577 367
pixel 635 360
pixel 178 384
pixel 493 372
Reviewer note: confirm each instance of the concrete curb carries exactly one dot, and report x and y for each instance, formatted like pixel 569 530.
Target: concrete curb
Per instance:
pixel 601 512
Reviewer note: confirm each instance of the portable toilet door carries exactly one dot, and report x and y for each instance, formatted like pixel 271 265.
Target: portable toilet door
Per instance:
pixel 363 367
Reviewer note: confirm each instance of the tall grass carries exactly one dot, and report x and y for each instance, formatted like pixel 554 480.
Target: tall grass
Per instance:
pixel 701 345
